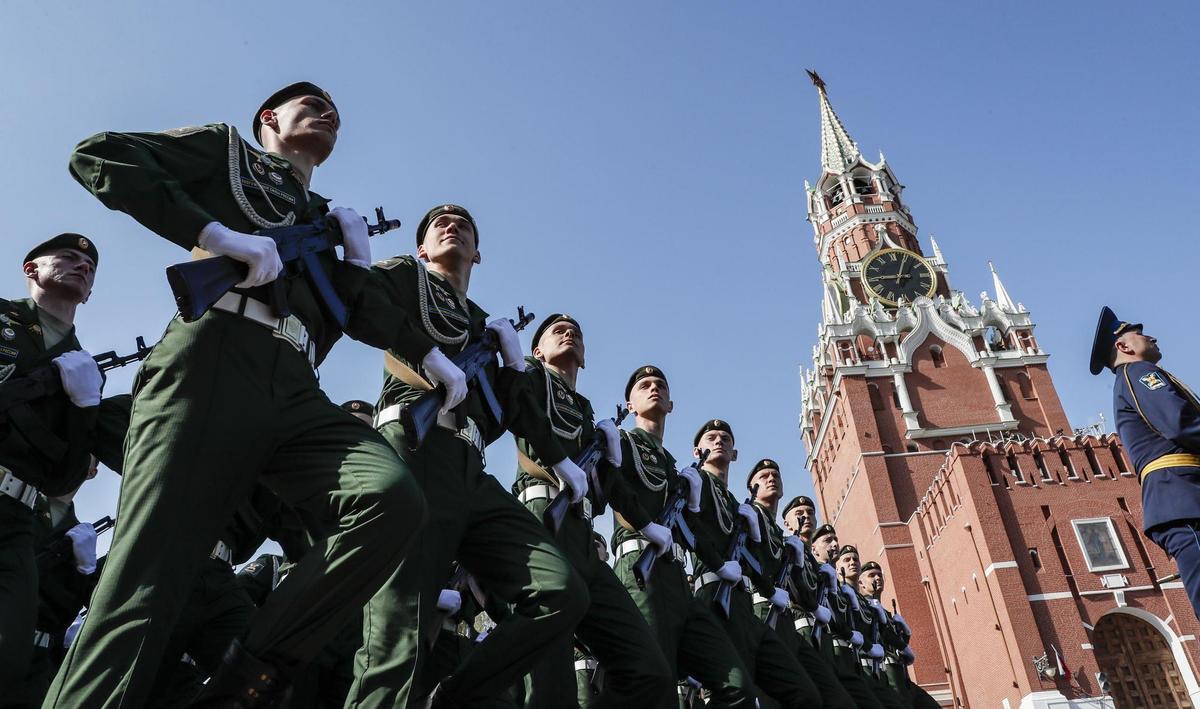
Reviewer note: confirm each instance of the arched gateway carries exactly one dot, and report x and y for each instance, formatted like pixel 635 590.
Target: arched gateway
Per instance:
pixel 1139 662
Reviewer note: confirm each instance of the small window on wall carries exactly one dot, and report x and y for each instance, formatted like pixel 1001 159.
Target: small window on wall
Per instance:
pixel 1101 546
pixel 938 357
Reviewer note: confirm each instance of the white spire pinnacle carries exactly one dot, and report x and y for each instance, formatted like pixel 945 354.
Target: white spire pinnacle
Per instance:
pixel 937 250
pixel 838 149
pixel 1003 299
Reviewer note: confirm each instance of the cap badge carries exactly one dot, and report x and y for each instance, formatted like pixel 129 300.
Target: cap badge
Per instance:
pixel 355 406
pixel 83 243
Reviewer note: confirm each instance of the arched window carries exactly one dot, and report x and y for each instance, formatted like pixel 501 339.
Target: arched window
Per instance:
pixel 876 397
pixel 836 195
pixel 896 397
pixel 862 184
pixel 938 357
pixel 1093 463
pixel 1015 468
pixel 1116 454
pixel 1041 465
pixel 1025 385
pixel 1065 458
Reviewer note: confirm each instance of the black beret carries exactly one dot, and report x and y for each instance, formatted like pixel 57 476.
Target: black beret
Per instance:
pixel 641 373
pixel 446 209
pixel 823 530
pixel 68 240
pixel 871 565
pixel 796 502
pixel 764 464
pixel 712 425
pixel 598 537
pixel 1108 329
pixel 287 93
pixel 358 406
pixel 556 317
pixel 847 549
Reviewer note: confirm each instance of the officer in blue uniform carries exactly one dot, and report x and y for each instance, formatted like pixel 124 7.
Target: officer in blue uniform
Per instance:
pixel 1158 419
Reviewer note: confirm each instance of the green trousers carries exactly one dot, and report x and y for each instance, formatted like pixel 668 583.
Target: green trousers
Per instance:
pixel 848 673
pixel 475 521
pixel 18 591
pixel 217 611
pixel 689 635
pixel 780 678
pixel 833 694
pixel 635 672
pixel 219 405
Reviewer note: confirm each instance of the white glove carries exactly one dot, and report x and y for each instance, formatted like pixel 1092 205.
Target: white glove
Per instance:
pixel 908 656
pixel 694 487
pixel 856 639
pixel 851 596
pixel 751 517
pixel 449 601
pixel 442 371
pixel 257 252
pixel 900 619
pixel 356 243
pixel 797 545
pixel 880 615
pixel 80 377
pixel 876 652
pixel 73 629
pixel 730 571
pixel 659 536
pixel 571 477
pixel 780 599
pixel 829 573
pixel 823 615
pixel 612 440
pixel 510 345
pixel 83 544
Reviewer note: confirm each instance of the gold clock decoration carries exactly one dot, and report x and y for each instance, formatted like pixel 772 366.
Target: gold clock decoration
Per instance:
pixel 890 274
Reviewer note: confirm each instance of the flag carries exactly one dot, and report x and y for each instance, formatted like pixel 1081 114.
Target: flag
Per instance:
pixel 1062 671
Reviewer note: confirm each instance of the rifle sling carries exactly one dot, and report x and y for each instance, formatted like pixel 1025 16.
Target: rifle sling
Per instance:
pixel 532 468
pixel 622 521
pixel 405 373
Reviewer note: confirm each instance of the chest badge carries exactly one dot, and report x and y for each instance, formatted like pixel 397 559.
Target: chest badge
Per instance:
pixel 8 333
pixel 276 178
pixel 258 167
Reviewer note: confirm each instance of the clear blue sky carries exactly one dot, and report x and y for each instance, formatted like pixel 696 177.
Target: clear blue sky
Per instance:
pixel 640 165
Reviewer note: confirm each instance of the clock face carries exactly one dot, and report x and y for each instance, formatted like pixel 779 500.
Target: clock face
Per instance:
pixel 894 273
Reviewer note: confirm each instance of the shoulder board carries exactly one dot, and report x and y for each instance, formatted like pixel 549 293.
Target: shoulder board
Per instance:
pixel 185 131
pixel 390 263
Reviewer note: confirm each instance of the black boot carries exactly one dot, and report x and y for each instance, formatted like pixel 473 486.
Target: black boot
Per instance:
pixel 242 682
pixel 438 699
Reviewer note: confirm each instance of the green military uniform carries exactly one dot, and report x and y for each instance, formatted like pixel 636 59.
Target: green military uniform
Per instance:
pixel 771 556
pixel 777 673
pixel 688 632
pixel 224 401
pixel 44 446
pixel 894 635
pixel 473 520
pixel 618 638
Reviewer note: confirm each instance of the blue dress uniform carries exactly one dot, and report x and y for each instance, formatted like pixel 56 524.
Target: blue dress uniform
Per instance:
pixel 1158 419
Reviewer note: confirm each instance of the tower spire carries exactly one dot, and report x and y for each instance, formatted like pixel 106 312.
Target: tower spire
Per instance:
pixel 838 149
pixel 1003 299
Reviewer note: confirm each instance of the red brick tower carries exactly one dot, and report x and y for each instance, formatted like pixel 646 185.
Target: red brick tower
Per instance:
pixel 938 445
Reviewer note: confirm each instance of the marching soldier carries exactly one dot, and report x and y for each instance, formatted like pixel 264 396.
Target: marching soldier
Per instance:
pixel 472 518
pixel 896 635
pixel 837 652
pixel 870 654
pixel 1158 419
pixel 46 441
pixel 800 517
pixel 765 475
pixel 613 631
pixel 233 396
pixel 688 632
pixel 777 672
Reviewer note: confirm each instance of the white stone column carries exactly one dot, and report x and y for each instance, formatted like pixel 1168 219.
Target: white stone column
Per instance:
pixel 910 416
pixel 1003 408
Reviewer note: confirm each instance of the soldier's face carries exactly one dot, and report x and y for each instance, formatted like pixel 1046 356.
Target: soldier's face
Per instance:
pixel 65 272
pixel 1140 345
pixel 770 485
pixel 650 395
pixel 871 582
pixel 719 445
pixel 308 123
pixel 824 547
pixel 799 520
pixel 449 239
pixel 562 339
pixel 847 564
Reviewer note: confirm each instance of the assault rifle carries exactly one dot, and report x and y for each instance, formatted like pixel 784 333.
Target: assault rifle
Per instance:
pixel 61 545
pixel 46 381
pixel 672 518
pixel 200 283
pixel 739 553
pixel 419 417
pixel 588 461
pixel 791 562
